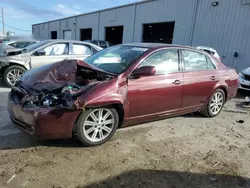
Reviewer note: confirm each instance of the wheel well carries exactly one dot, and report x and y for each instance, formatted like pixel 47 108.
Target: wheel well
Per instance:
pixel 225 91
pixel 120 110
pixel 9 65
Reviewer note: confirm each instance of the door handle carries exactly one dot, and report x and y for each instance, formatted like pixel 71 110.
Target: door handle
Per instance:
pixel 177 82
pixel 213 78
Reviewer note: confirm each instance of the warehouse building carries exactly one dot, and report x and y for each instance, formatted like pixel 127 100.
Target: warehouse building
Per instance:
pixel 220 24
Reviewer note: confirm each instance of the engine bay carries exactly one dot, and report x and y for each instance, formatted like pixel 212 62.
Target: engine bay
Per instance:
pixel 58 97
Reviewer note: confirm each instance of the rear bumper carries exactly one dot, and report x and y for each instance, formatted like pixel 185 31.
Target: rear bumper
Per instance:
pixel 43 123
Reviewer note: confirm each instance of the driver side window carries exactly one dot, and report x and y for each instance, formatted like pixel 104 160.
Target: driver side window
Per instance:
pixel 164 61
pixel 56 49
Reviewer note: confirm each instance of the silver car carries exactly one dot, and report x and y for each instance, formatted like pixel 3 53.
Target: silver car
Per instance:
pixel 20 44
pixel 15 63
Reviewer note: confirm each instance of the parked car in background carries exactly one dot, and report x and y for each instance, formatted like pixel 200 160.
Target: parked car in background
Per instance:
pixel 209 50
pixel 15 63
pixel 16 45
pixel 244 79
pixel 4 40
pixel 101 43
pixel 119 86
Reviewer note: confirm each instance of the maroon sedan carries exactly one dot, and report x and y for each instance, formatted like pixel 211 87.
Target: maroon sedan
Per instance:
pixel 119 86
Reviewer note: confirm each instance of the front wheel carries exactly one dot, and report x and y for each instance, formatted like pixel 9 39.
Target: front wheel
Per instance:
pixel 13 74
pixel 96 126
pixel 215 104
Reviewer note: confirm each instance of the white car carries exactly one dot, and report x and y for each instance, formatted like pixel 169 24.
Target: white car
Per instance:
pixel 209 50
pixel 244 79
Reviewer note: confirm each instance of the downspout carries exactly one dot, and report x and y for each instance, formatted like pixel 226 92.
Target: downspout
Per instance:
pixel 133 35
pixel 49 30
pixel 76 28
pixel 60 29
pixel 194 21
pixel 98 26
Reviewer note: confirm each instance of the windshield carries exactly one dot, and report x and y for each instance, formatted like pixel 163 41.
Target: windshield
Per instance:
pixel 34 46
pixel 115 59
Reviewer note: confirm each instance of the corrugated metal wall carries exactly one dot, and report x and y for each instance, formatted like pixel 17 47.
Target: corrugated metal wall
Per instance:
pixel 118 17
pixel 180 11
pixel 43 31
pixel 226 28
pixel 68 24
pixel 36 30
pixel 87 21
pixel 54 26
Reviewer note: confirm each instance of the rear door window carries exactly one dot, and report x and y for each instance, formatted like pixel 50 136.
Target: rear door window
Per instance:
pixel 194 61
pixel 81 49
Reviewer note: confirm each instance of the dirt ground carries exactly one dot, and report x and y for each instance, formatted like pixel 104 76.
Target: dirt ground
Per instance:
pixel 188 151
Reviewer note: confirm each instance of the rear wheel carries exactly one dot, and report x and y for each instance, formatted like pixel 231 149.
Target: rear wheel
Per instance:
pixel 215 104
pixel 13 74
pixel 96 126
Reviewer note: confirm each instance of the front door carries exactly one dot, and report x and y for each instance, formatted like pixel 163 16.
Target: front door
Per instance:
pixel 200 78
pixel 53 53
pixel 150 95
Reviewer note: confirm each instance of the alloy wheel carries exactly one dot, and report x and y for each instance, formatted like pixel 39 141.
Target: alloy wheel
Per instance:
pixel 98 124
pixel 13 76
pixel 216 103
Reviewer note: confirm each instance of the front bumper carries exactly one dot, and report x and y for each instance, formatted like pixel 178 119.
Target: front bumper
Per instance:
pixel 43 123
pixel 244 84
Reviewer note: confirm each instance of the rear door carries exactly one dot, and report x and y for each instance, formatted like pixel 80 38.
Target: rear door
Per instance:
pixel 80 51
pixel 200 78
pixel 53 53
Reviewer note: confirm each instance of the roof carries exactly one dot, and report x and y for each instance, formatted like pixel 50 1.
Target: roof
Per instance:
pixel 22 40
pixel 102 10
pixel 154 45
pixel 64 40
pixel 73 41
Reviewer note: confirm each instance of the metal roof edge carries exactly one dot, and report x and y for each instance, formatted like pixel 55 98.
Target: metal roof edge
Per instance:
pixel 98 11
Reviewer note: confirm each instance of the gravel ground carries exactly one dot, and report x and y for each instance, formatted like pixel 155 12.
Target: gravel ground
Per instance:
pixel 188 151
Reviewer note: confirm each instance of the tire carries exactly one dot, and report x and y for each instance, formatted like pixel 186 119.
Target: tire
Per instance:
pixel 89 131
pixel 208 110
pixel 13 69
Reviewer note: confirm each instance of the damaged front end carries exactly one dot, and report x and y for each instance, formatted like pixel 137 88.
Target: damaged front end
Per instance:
pixel 58 85
pixel 58 98
pixel 47 101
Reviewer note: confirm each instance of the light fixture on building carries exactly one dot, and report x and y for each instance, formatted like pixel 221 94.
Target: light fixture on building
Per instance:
pixel 150 26
pixel 215 3
pixel 113 29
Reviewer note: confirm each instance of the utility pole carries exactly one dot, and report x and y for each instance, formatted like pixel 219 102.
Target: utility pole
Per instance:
pixel 3 22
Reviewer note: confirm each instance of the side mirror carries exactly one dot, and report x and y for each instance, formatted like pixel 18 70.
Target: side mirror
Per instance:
pixel 144 71
pixel 40 52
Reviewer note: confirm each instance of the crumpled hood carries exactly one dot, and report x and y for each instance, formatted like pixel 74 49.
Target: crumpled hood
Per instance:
pixel 247 71
pixel 53 76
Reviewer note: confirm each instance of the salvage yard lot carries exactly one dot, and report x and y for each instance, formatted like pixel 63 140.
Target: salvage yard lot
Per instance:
pixel 188 151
